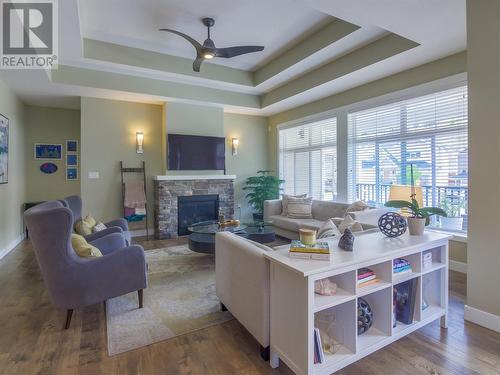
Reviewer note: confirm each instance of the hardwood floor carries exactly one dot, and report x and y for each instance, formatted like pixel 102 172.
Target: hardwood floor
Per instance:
pixel 32 340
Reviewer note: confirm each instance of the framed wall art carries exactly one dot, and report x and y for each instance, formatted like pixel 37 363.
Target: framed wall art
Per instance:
pixel 4 149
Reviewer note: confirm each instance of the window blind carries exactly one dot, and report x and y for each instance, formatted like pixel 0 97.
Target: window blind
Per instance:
pixel 308 159
pixel 428 133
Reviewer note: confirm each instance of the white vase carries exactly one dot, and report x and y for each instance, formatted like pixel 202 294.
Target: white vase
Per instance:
pixel 416 226
pixel 453 223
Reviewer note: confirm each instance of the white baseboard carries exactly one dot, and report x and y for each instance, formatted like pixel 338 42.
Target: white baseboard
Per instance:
pixel 482 318
pixel 142 232
pixel 458 266
pixel 11 246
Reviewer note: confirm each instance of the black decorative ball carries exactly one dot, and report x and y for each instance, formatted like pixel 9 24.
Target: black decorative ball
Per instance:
pixel 392 224
pixel 365 316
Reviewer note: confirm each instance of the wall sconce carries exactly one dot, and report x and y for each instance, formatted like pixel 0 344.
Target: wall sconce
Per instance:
pixel 139 138
pixel 235 142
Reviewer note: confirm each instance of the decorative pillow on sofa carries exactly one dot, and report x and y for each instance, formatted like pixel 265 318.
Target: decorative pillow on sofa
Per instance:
pixel 98 227
pixel 299 208
pixel 284 202
pixel 328 229
pixel 84 227
pixel 83 248
pixel 357 206
pixel 350 223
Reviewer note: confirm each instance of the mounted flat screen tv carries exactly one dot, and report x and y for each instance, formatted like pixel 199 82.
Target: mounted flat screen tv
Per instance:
pixel 193 152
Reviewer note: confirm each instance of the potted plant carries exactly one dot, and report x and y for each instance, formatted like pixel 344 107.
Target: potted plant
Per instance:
pixel 420 217
pixel 260 188
pixel 453 207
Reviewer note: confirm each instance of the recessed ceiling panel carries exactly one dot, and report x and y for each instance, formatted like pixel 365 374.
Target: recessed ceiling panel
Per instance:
pixel 274 24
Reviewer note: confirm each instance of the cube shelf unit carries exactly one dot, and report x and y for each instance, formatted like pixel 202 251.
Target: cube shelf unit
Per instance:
pixel 295 306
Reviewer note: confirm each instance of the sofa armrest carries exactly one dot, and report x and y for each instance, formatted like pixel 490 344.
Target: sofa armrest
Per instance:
pixel 109 243
pixel 242 283
pixel 369 216
pixel 272 207
pixel 120 222
pixel 96 235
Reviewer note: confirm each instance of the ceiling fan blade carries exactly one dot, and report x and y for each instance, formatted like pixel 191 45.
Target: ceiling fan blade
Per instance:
pixel 197 63
pixel 196 45
pixel 236 51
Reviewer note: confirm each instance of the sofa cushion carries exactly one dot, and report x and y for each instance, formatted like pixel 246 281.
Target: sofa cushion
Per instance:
pixel 357 206
pixel 350 223
pixel 300 208
pixel 284 202
pixel 83 248
pixel 84 227
pixel 324 210
pixel 295 224
pixel 328 229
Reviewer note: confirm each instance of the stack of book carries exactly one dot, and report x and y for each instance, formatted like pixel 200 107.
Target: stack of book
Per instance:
pixel 427 259
pixel 319 354
pixel 366 277
pixel 319 251
pixel 401 266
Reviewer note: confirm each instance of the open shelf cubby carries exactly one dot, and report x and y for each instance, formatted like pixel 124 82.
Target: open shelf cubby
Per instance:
pixel 381 305
pixel 400 326
pixel 416 264
pixel 346 290
pixel 340 322
pixel 438 260
pixel 383 271
pixel 432 297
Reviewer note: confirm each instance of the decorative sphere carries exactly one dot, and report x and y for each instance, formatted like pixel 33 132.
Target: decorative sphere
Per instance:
pixel 392 224
pixel 365 316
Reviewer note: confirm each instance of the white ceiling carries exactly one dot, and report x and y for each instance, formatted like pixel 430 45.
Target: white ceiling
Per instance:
pixel 439 27
pixel 273 24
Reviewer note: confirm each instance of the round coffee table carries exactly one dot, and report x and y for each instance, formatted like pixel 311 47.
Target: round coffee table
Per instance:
pixel 202 237
pixel 259 231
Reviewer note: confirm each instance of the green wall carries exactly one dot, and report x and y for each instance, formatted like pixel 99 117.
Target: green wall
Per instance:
pixel 252 153
pixel 108 130
pixel 483 259
pixel 12 194
pixel 49 125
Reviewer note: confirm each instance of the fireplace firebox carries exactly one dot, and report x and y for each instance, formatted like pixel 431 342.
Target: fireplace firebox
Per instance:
pixel 193 209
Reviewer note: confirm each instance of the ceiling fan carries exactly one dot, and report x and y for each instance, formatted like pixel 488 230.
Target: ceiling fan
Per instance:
pixel 208 50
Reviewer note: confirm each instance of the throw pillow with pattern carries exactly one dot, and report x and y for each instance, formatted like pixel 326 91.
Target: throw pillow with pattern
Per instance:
pixel 300 208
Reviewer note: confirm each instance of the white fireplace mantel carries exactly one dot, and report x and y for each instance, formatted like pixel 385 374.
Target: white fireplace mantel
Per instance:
pixel 195 177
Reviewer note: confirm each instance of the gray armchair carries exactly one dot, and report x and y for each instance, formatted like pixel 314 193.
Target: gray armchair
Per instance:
pixel 74 282
pixel 120 225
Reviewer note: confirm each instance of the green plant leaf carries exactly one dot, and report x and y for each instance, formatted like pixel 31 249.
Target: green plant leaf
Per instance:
pixel 434 211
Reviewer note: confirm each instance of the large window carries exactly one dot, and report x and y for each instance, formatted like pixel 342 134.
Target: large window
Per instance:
pixel 428 132
pixel 308 159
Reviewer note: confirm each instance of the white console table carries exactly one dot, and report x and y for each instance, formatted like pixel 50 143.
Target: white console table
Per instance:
pixel 294 303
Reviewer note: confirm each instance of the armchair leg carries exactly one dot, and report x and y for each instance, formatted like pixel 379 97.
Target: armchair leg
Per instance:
pixel 141 295
pixel 69 314
pixel 264 353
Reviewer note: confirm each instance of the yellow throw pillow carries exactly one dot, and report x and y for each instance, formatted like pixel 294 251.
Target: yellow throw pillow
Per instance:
pixel 90 221
pixel 85 227
pixel 83 248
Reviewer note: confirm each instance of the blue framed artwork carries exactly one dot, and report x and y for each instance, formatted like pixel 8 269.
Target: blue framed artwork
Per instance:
pixel 4 149
pixel 71 173
pixel 71 159
pixel 45 151
pixel 71 146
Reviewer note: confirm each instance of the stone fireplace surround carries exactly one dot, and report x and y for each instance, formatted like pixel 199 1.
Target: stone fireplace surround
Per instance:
pixel 168 188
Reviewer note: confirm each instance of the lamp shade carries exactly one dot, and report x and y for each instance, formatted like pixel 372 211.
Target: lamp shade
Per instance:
pixel 403 193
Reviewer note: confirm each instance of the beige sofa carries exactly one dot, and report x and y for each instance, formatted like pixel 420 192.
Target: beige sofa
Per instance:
pixel 242 284
pixel 321 211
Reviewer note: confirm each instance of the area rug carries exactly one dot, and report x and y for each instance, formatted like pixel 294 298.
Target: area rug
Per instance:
pixel 180 298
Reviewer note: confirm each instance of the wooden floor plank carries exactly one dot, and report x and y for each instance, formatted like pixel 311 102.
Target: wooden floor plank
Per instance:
pixel 33 341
